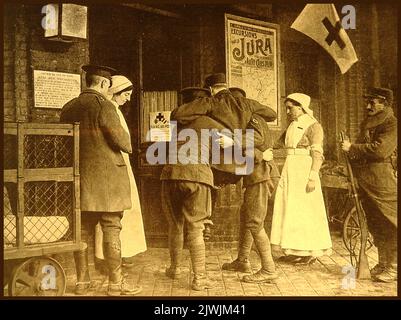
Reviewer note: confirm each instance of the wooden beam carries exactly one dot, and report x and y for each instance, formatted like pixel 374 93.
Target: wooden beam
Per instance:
pixel 150 9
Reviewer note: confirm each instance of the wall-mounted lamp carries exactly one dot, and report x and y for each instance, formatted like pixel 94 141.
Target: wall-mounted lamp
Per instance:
pixel 64 21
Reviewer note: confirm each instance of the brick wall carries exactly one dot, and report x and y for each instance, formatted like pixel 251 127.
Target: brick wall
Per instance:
pixel 8 55
pixel 25 50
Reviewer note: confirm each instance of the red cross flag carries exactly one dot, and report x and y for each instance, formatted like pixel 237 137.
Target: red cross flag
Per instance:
pixel 322 23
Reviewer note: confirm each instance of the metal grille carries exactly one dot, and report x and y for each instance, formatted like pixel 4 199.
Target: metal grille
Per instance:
pixel 48 211
pixel 9 218
pixel 44 151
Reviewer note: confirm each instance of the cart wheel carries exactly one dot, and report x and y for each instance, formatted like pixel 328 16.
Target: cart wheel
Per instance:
pixel 352 233
pixel 37 276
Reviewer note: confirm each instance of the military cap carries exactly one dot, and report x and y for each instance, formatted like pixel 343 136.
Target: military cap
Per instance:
pixel 103 71
pixel 215 79
pixel 191 93
pixel 380 93
pixel 237 92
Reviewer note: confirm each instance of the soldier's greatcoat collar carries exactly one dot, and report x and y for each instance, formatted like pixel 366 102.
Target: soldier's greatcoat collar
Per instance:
pixel 94 92
pixel 224 91
pixel 377 119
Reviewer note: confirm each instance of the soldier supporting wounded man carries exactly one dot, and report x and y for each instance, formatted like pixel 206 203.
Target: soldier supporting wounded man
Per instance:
pixel 236 113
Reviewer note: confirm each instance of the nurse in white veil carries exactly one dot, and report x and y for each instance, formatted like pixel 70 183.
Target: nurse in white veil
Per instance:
pixel 300 228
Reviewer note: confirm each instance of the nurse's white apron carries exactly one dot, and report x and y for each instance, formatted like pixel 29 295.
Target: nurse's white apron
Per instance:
pixel 299 225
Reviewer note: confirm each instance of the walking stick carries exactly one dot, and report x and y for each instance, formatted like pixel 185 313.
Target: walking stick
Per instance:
pixel 363 271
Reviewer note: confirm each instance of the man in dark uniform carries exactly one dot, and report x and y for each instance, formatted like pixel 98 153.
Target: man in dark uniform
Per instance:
pixel 236 113
pixel 258 187
pixel 104 182
pixel 373 157
pixel 186 198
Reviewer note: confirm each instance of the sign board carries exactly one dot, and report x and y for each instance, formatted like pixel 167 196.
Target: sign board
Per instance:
pixel 160 127
pixel 74 20
pixel 54 89
pixel 252 58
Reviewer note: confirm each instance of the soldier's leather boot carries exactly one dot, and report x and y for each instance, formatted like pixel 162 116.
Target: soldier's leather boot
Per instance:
pixel 202 282
pixel 197 252
pixel 241 264
pixel 118 283
pixel 261 276
pixel 83 283
pixel 389 274
pixel 124 286
pixel 379 268
pixel 176 243
pixel 238 266
pixel 268 271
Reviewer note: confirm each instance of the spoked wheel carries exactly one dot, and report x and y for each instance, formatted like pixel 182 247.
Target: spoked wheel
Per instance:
pixel 37 276
pixel 352 235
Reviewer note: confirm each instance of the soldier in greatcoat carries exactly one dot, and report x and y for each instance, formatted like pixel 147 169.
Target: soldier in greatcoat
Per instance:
pixel 104 182
pixel 373 157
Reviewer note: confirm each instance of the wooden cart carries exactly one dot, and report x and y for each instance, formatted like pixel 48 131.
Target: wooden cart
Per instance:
pixel 41 205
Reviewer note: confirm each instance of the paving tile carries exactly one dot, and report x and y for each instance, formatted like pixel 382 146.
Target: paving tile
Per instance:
pixel 323 278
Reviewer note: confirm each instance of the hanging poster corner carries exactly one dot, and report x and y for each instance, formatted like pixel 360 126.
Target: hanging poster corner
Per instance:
pixel 253 60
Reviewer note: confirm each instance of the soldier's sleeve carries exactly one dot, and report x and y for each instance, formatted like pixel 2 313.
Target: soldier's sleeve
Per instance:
pixel 256 133
pixel 280 142
pixel 267 113
pixel 65 113
pixel 188 112
pixel 259 135
pixel 110 125
pixel 379 149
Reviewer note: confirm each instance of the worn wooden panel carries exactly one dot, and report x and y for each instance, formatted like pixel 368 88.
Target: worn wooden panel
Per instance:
pixel 155 223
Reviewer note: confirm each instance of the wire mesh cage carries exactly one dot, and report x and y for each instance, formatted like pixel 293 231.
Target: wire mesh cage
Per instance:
pixel 41 187
pixel 51 203
pixel 44 151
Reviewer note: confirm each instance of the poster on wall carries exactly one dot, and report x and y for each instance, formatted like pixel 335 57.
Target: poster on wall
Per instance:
pixel 54 89
pixel 160 129
pixel 252 58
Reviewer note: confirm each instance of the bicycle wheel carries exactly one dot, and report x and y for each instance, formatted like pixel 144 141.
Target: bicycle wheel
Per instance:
pixel 352 233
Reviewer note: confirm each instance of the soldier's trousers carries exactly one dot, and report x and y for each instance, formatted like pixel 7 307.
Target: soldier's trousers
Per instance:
pixel 383 230
pixel 111 227
pixel 252 217
pixel 190 203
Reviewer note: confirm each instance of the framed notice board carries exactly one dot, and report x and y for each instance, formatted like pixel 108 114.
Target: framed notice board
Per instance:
pixel 253 60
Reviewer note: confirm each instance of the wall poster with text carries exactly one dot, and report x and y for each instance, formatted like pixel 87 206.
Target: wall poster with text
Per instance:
pixel 252 58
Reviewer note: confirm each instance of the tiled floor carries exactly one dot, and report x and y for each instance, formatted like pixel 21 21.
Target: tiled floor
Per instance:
pixel 329 276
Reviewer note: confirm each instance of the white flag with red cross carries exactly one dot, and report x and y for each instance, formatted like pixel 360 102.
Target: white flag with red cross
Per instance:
pixel 322 23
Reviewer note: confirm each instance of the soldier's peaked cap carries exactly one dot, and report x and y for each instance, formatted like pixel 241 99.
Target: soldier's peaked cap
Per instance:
pixel 215 79
pixel 102 71
pixel 191 93
pixel 381 93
